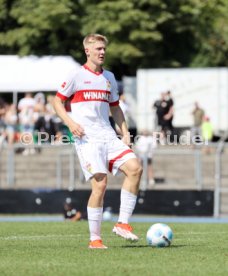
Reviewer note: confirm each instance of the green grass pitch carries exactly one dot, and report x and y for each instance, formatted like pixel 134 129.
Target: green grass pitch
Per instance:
pixel 60 248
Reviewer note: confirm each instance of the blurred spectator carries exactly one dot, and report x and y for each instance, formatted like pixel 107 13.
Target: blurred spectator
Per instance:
pixel 2 121
pixel 26 119
pixel 198 115
pixel 45 124
pixel 207 132
pixel 32 115
pixel 164 114
pixel 26 113
pixel 170 114
pixel 57 122
pixel 39 107
pixel 38 115
pixel 39 99
pixel 72 214
pixel 2 108
pixel 11 123
pixel 145 145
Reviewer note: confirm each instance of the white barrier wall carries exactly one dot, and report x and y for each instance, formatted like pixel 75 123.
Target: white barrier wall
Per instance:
pixel 33 73
pixel 208 86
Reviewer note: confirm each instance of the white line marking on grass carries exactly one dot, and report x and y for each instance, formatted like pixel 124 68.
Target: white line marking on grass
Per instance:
pixel 198 233
pixel 40 237
pixel 36 237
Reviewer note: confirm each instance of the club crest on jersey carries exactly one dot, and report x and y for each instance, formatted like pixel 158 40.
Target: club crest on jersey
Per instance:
pixel 89 167
pixel 108 84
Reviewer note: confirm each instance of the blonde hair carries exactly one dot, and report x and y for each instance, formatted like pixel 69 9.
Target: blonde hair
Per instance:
pixel 92 38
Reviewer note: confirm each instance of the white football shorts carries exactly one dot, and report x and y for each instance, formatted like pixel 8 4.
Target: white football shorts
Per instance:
pixel 102 157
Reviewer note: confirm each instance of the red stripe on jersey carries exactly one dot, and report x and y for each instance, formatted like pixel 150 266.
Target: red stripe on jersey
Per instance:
pixel 62 97
pixel 111 162
pixel 114 103
pixel 91 95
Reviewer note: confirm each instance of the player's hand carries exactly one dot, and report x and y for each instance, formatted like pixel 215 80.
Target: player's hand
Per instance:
pixel 76 130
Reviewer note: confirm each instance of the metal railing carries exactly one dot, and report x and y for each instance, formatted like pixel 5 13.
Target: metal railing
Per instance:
pixel 218 175
pixel 59 164
pixel 10 160
pixel 68 153
pixel 195 153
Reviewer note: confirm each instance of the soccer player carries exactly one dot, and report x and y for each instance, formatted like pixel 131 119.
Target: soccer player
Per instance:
pixel 93 93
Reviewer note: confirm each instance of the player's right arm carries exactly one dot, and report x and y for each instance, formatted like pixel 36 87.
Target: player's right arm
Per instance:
pixel 65 91
pixel 74 127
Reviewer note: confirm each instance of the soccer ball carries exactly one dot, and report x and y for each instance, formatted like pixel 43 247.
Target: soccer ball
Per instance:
pixel 159 235
pixel 107 214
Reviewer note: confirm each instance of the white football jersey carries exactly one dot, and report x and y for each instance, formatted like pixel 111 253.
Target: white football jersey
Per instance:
pixel 91 94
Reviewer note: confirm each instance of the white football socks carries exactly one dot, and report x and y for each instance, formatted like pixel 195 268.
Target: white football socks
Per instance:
pixel 127 205
pixel 94 218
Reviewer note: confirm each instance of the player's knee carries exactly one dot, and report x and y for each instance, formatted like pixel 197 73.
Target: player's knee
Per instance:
pixel 100 177
pixel 138 170
pixel 100 183
pixel 135 169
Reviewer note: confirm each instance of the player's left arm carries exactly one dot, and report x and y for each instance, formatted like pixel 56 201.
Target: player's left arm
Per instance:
pixel 119 119
pixel 117 112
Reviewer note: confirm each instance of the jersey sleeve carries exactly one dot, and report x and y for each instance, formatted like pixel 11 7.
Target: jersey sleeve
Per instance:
pixel 114 98
pixel 67 88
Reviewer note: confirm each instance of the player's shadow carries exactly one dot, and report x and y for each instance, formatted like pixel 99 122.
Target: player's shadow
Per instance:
pixel 173 246
pixel 133 246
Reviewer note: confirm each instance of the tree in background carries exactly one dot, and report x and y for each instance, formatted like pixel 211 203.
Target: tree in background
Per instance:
pixel 143 33
pixel 40 27
pixel 212 43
